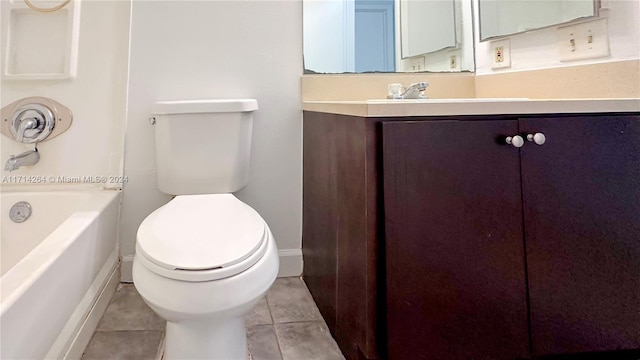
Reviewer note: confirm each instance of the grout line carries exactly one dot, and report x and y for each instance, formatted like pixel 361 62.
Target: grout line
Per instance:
pixel 275 332
pixel 273 323
pixel 269 308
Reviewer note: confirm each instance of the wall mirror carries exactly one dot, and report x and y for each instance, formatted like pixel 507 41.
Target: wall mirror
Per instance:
pixel 501 18
pixel 366 36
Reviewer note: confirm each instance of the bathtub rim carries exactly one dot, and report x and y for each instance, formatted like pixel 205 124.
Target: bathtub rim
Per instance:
pixel 17 280
pixel 49 187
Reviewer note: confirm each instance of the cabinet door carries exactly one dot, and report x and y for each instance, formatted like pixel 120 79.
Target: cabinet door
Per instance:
pixel 455 271
pixel 582 228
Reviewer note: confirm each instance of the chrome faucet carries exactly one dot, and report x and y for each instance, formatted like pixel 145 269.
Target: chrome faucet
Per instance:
pixel 412 92
pixel 25 159
pixel 27 127
pixel 415 91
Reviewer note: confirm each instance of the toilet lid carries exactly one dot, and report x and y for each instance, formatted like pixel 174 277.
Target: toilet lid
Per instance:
pixel 201 232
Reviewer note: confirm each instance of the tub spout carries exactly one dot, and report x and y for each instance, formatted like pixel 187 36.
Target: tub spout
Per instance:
pixel 25 159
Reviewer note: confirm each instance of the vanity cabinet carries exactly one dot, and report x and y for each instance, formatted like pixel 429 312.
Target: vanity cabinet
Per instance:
pixel 431 238
pixel 340 234
pixel 474 225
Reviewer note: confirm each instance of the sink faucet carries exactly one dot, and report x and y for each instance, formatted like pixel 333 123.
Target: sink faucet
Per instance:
pixel 415 91
pixel 25 159
pixel 412 92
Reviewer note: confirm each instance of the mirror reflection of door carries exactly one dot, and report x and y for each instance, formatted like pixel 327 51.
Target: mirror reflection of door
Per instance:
pixel 374 35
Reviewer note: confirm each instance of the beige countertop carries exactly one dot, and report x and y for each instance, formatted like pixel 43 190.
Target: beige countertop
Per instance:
pixel 471 106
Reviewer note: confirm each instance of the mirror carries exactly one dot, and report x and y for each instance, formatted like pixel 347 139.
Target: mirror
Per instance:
pixel 426 27
pixel 501 18
pixel 365 36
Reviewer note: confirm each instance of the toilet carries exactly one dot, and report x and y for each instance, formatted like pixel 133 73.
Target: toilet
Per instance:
pixel 205 258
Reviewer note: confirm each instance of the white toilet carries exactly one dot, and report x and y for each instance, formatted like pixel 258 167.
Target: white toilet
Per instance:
pixel 204 259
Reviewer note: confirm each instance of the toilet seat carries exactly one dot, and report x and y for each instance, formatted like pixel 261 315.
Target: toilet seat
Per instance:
pixel 202 238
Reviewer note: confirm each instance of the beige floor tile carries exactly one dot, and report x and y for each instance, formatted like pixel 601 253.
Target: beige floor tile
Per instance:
pixel 259 315
pixel 307 340
pixel 123 345
pixel 290 301
pixel 263 343
pixel 127 311
pixel 131 330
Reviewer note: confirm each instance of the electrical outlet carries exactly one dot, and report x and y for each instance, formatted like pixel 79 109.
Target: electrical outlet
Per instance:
pixel 453 62
pixel 417 64
pixel 500 54
pixel 583 41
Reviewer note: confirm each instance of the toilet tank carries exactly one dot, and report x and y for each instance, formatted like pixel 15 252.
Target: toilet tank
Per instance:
pixel 203 146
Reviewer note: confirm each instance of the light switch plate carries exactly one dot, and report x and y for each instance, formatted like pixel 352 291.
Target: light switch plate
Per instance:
pixel 586 40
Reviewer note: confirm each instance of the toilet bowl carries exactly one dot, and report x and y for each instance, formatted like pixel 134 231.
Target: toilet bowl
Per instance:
pixel 204 259
pixel 202 262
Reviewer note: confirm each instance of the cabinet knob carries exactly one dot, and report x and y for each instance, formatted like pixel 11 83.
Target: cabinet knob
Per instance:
pixel 516 141
pixel 537 138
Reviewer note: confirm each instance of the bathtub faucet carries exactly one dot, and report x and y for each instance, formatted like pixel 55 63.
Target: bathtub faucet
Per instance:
pixel 25 159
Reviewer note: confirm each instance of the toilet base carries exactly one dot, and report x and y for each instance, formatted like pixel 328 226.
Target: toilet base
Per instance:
pixel 224 339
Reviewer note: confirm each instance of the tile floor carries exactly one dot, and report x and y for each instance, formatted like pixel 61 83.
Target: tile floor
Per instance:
pixel 284 325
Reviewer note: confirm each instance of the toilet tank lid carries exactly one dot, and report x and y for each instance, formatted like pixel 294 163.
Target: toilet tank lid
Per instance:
pixel 204 106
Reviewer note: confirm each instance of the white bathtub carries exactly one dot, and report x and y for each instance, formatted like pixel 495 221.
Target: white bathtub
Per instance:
pixel 55 267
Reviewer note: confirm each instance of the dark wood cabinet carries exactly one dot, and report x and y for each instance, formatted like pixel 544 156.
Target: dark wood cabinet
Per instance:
pixel 464 213
pixel 430 238
pixel 340 228
pixel 581 193
pixel 455 271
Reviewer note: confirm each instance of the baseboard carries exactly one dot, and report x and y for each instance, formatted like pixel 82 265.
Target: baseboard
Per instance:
pixel 126 269
pixel 78 330
pixel 290 265
pixel 290 262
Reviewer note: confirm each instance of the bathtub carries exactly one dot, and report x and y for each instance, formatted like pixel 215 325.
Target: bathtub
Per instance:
pixel 59 268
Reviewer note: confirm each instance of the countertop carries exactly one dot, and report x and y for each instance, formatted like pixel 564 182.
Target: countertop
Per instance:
pixel 471 106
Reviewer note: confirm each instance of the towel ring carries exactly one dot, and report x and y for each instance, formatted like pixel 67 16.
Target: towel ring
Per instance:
pixel 55 8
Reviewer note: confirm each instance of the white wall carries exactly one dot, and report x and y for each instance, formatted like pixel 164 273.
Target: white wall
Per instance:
pixel 220 49
pixel 538 49
pixel 93 145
